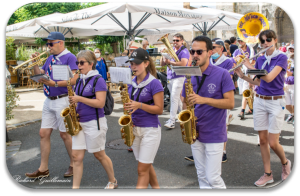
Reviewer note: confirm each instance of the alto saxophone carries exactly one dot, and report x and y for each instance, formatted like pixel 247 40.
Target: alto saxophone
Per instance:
pixel 125 121
pixel 69 114
pixel 187 117
pixel 248 94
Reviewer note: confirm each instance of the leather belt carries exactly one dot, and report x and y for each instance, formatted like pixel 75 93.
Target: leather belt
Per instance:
pixel 57 97
pixel 270 97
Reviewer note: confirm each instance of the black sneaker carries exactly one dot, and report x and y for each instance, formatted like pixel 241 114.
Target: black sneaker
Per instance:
pixel 241 116
pixel 224 159
pixel 189 158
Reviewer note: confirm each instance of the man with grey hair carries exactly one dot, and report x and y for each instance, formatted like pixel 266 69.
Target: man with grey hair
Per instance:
pixel 145 44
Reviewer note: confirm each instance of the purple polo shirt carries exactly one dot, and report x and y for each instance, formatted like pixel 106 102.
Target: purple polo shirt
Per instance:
pixel 290 80
pixel 238 52
pixel 276 86
pixel 141 118
pixel 88 113
pixel 211 121
pixel 183 54
pixel 227 64
pixel 67 59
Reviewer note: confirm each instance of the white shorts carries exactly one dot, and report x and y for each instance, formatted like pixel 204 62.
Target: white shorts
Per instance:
pixel 90 138
pixel 289 94
pixel 243 85
pixel 51 113
pixel 268 114
pixel 146 143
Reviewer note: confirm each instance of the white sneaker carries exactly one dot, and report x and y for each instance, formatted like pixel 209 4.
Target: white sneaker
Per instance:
pixel 170 124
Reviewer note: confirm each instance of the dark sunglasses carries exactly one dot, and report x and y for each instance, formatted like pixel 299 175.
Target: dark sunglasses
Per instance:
pixel 262 41
pixel 51 43
pixel 81 62
pixel 176 40
pixel 199 52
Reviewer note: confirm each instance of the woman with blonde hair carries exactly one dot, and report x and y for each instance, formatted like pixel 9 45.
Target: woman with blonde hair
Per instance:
pixel 90 99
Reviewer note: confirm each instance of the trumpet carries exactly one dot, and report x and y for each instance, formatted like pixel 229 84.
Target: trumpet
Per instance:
pixel 36 61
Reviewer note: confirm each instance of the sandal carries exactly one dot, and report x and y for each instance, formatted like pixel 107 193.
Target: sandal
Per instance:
pixel 250 112
pixel 129 149
pixel 115 185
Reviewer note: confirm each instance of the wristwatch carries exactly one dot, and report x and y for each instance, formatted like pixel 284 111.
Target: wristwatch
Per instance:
pixel 56 85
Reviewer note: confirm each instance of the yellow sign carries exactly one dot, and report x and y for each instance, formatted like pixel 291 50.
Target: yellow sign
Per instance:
pixel 250 26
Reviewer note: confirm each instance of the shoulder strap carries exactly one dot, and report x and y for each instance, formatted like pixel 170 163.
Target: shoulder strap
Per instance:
pixel 76 83
pixel 138 97
pixel 201 83
pixel 95 82
pixel 86 82
pixel 182 48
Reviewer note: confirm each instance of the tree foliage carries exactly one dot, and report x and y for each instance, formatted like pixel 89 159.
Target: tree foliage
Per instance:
pixel 11 101
pixel 35 10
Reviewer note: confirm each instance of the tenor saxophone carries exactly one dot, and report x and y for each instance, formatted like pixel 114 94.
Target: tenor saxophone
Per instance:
pixel 187 117
pixel 126 121
pixel 69 114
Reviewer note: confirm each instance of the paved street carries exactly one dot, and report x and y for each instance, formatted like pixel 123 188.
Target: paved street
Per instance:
pixel 243 168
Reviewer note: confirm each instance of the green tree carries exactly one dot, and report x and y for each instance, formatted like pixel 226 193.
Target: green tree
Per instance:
pixel 35 10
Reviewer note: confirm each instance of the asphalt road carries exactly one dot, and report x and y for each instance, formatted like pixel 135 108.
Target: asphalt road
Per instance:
pixel 243 168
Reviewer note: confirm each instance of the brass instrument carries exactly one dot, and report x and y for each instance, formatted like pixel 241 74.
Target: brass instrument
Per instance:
pixel 36 61
pixel 126 121
pixel 69 114
pixel 187 117
pixel 248 94
pixel 169 50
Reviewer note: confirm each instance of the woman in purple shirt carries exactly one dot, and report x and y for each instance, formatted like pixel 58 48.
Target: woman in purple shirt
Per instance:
pixel 90 102
pixel 269 104
pixel 146 103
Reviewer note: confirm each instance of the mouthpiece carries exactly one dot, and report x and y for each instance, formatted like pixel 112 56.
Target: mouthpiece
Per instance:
pixel 194 62
pixel 133 73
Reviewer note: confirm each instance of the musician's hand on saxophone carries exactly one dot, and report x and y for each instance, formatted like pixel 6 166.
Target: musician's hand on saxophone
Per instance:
pixel 132 106
pixel 196 99
pixel 74 99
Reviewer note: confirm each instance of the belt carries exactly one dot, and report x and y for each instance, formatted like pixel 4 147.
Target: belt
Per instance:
pixel 57 97
pixel 270 97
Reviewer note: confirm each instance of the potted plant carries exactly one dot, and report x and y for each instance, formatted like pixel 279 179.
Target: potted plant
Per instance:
pixel 10 51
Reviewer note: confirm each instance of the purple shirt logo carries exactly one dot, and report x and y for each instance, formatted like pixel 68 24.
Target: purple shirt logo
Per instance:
pixel 88 87
pixel 211 88
pixel 144 92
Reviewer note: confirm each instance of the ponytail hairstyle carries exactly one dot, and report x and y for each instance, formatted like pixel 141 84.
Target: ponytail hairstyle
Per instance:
pixel 151 67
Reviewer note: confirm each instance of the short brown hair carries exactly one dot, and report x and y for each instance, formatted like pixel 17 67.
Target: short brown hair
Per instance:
pixel 178 35
pixel 89 57
pixel 268 34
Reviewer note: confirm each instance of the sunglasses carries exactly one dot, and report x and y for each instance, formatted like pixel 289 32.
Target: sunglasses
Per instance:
pixel 262 41
pixel 176 40
pixel 51 43
pixel 81 62
pixel 199 52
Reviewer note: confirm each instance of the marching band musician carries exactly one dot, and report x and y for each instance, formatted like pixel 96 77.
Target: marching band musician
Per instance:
pixel 269 104
pixel 57 99
pixel 91 117
pixel 242 84
pixel 289 86
pixel 176 82
pixel 213 95
pixel 146 103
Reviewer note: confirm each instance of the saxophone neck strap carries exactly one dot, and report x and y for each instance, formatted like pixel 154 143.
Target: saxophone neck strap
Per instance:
pixel 201 83
pixel 138 97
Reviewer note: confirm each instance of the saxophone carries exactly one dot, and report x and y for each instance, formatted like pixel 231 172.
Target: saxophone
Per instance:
pixel 125 121
pixel 69 114
pixel 187 117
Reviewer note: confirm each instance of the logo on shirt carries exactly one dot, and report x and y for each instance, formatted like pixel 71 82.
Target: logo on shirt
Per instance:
pixel 144 92
pixel 87 88
pixel 211 88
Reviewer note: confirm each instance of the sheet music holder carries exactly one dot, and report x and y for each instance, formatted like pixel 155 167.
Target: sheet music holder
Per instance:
pixel 192 71
pixel 120 61
pixel 260 72
pixel 120 74
pixel 39 76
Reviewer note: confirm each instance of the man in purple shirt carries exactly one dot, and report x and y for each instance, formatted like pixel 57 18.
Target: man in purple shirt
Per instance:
pixel 175 82
pixel 243 85
pixel 57 99
pixel 213 95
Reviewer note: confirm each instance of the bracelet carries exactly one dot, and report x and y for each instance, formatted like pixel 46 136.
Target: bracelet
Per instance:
pixel 141 105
